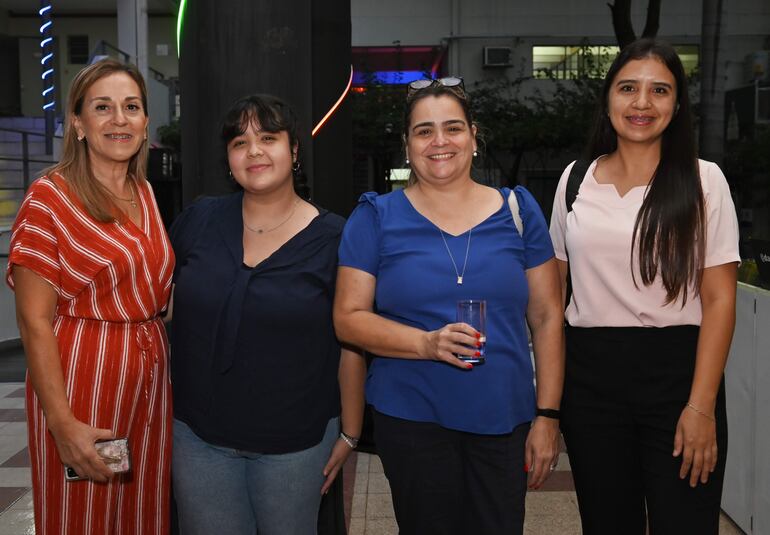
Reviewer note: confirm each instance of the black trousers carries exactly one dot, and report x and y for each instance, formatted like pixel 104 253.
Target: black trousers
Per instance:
pixel 447 482
pixel 624 391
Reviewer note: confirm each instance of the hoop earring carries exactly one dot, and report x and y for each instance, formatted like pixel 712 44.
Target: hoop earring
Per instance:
pixel 296 166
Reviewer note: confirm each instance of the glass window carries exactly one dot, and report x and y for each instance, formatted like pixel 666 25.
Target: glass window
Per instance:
pixel 77 49
pixel 565 62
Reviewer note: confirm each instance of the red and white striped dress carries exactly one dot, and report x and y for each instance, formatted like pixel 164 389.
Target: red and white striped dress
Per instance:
pixel 112 281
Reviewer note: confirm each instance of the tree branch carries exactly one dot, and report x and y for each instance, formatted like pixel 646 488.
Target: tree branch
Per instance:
pixel 653 19
pixel 621 22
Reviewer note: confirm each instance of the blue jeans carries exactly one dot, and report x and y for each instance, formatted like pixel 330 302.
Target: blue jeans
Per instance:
pixel 223 490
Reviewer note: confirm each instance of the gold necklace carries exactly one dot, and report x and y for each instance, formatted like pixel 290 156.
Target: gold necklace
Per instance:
pixel 132 200
pixel 271 229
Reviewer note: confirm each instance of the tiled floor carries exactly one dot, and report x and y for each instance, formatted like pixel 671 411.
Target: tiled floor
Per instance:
pixel 16 517
pixel 368 506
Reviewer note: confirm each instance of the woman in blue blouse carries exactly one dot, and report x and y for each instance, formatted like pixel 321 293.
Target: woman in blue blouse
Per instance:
pixel 255 361
pixel 456 440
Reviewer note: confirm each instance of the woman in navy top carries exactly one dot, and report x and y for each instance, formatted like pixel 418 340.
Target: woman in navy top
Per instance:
pixel 255 360
pixel 455 439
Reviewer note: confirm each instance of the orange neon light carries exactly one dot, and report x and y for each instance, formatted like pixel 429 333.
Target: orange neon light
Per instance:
pixel 336 105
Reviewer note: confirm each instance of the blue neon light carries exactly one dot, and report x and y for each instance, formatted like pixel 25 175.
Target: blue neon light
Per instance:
pixel 387 77
pixel 47 59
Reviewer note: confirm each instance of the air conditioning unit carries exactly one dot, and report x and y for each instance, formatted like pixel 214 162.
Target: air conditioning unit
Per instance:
pixel 497 56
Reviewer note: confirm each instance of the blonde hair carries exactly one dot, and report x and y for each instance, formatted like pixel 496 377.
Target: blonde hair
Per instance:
pixel 74 165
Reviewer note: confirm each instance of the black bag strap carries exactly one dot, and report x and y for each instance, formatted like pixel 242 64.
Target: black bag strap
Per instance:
pixel 576 175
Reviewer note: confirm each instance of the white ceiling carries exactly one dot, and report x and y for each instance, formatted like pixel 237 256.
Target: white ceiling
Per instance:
pixel 74 7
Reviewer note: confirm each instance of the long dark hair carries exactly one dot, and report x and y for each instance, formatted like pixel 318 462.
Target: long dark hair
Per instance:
pixel 272 115
pixel 669 231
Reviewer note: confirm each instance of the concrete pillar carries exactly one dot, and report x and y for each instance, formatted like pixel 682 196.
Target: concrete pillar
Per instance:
pixel 294 49
pixel 132 31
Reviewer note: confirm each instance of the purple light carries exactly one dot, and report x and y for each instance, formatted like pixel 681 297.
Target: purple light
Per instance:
pixel 387 77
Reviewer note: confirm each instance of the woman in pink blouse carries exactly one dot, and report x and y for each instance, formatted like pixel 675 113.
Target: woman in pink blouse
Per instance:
pixel 651 243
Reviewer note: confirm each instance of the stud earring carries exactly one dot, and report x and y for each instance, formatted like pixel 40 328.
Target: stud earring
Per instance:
pixel 81 138
pixel 475 153
pixel 407 160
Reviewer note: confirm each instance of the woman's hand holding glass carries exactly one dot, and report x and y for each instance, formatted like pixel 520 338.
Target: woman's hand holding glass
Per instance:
pixel 450 340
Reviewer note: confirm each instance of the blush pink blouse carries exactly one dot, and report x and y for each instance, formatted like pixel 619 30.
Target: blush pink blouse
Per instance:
pixel 597 234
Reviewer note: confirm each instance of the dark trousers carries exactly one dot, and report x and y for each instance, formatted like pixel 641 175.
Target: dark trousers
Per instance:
pixel 624 391
pixel 447 482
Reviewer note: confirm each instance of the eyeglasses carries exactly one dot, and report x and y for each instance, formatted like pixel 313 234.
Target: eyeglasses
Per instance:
pixel 451 82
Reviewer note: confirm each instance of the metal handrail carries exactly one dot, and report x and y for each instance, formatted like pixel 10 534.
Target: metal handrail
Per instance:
pixel 102 46
pixel 28 132
pixel 25 157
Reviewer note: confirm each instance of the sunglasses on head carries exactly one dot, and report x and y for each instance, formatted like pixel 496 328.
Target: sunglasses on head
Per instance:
pixel 453 82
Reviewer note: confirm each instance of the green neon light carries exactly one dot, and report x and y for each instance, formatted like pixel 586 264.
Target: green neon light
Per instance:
pixel 179 18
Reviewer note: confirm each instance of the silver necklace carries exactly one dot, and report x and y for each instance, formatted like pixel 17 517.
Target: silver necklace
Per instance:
pixel 452 258
pixel 271 229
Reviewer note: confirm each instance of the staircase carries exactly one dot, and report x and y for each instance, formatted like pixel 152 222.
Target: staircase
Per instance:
pixel 22 158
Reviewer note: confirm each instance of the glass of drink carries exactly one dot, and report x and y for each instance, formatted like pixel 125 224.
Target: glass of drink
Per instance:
pixel 474 313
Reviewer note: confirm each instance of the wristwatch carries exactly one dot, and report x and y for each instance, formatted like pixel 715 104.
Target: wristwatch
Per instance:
pixel 350 441
pixel 548 413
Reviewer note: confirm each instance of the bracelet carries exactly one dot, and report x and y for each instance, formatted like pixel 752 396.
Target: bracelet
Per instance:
pixel 350 441
pixel 554 414
pixel 696 409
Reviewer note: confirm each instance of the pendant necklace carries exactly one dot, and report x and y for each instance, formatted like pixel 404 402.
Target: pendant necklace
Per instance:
pixel 271 229
pixel 131 201
pixel 452 258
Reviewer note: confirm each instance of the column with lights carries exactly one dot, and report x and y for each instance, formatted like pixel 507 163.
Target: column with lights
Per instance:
pixel 47 72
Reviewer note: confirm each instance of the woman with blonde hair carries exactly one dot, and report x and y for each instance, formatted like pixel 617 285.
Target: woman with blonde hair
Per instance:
pixel 91 266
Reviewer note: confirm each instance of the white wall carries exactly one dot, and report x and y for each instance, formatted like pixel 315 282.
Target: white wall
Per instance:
pixel 523 23
pixel 162 30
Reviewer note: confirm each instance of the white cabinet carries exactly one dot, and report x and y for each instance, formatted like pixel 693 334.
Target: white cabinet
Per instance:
pixel 746 496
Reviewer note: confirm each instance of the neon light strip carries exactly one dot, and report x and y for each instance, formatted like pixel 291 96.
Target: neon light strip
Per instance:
pixel 179 18
pixel 336 105
pixel 47 58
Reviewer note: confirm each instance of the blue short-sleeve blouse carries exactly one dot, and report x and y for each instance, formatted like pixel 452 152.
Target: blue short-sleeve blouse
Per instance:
pixel 417 286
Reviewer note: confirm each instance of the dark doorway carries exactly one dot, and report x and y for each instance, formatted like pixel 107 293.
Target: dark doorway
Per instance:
pixel 10 93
